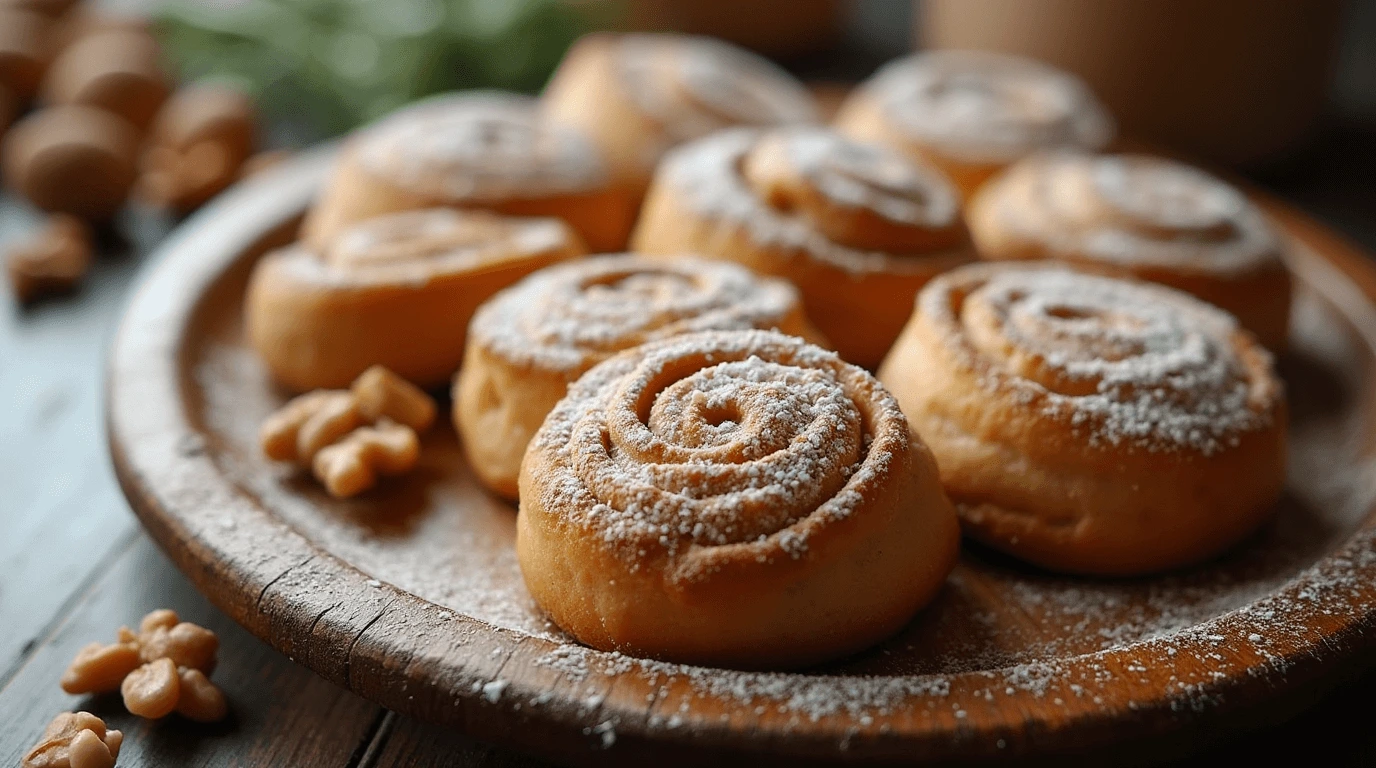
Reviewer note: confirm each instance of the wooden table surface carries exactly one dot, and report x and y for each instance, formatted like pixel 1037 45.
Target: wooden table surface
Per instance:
pixel 74 564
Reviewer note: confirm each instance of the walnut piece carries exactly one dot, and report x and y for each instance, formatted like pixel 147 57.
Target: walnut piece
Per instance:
pixel 101 668
pixel 350 438
pixel 159 670
pixel 200 700
pixel 352 465
pixel 197 146
pixel 186 644
pixel 382 394
pixel 152 690
pixel 53 261
pixel 75 740
pixel 308 423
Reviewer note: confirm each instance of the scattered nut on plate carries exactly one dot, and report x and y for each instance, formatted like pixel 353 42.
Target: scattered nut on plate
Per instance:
pixel 349 438
pixel 352 465
pixel 53 261
pixel 75 740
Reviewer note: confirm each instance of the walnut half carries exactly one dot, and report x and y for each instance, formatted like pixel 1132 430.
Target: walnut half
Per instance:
pixel 160 670
pixel 352 465
pixel 75 740
pixel 53 261
pixel 350 438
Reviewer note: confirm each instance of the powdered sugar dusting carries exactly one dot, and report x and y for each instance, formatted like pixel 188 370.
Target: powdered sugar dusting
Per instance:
pixel 478 146
pixel 1120 362
pixel 692 86
pixel 751 436
pixel 1133 210
pixel 707 175
pixel 986 107
pixel 415 247
pixel 997 630
pixel 870 177
pixel 570 317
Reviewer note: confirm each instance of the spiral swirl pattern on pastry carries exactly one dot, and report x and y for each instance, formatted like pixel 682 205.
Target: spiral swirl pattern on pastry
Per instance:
pixel 531 341
pixel 1091 424
pixel 479 146
pixel 723 456
pixel 395 290
pixel 693 86
pixel 1129 210
pixel 1119 362
pixel 426 243
pixel 722 441
pixel 987 107
pixel 1144 217
pixel 486 150
pixel 571 317
pixel 858 227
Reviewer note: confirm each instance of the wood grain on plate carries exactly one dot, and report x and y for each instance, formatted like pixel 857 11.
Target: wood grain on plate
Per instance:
pixel 411 596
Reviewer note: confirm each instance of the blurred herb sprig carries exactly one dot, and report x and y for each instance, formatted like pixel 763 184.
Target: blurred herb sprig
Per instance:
pixel 320 67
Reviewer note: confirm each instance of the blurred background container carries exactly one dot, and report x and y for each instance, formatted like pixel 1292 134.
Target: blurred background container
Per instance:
pixel 1237 82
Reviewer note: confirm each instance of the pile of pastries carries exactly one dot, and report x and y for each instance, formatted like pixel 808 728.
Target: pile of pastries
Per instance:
pixel 811 354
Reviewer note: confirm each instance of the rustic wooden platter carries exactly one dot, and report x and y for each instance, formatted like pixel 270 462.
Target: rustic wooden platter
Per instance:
pixel 411 596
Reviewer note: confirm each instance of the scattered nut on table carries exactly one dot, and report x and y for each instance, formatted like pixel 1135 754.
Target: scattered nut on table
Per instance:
pixel 162 635
pixel 350 438
pixel 197 146
pixel 53 261
pixel 75 740
pixel 152 690
pixel 72 159
pixel 115 69
pixel 160 670
pixel 23 51
pixel 199 699
pixel 101 668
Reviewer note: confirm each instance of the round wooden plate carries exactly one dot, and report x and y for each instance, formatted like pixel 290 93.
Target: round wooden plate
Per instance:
pixel 411 596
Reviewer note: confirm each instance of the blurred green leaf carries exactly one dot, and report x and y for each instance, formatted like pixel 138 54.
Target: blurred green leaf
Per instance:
pixel 320 67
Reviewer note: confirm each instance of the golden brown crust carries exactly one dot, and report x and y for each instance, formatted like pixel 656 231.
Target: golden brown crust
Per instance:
pixel 638 95
pixel 397 290
pixel 858 228
pixel 1144 217
pixel 480 149
pixel 972 113
pixel 534 339
pixel 731 498
pixel 1089 424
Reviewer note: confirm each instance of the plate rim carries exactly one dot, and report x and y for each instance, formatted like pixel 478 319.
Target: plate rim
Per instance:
pixel 161 461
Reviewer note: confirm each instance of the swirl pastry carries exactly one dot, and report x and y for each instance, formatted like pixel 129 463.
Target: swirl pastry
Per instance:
pixel 480 149
pixel 1145 217
pixel 1089 424
pixel 736 498
pixel 973 113
pixel 396 290
pixel 858 228
pixel 638 95
pixel 534 339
